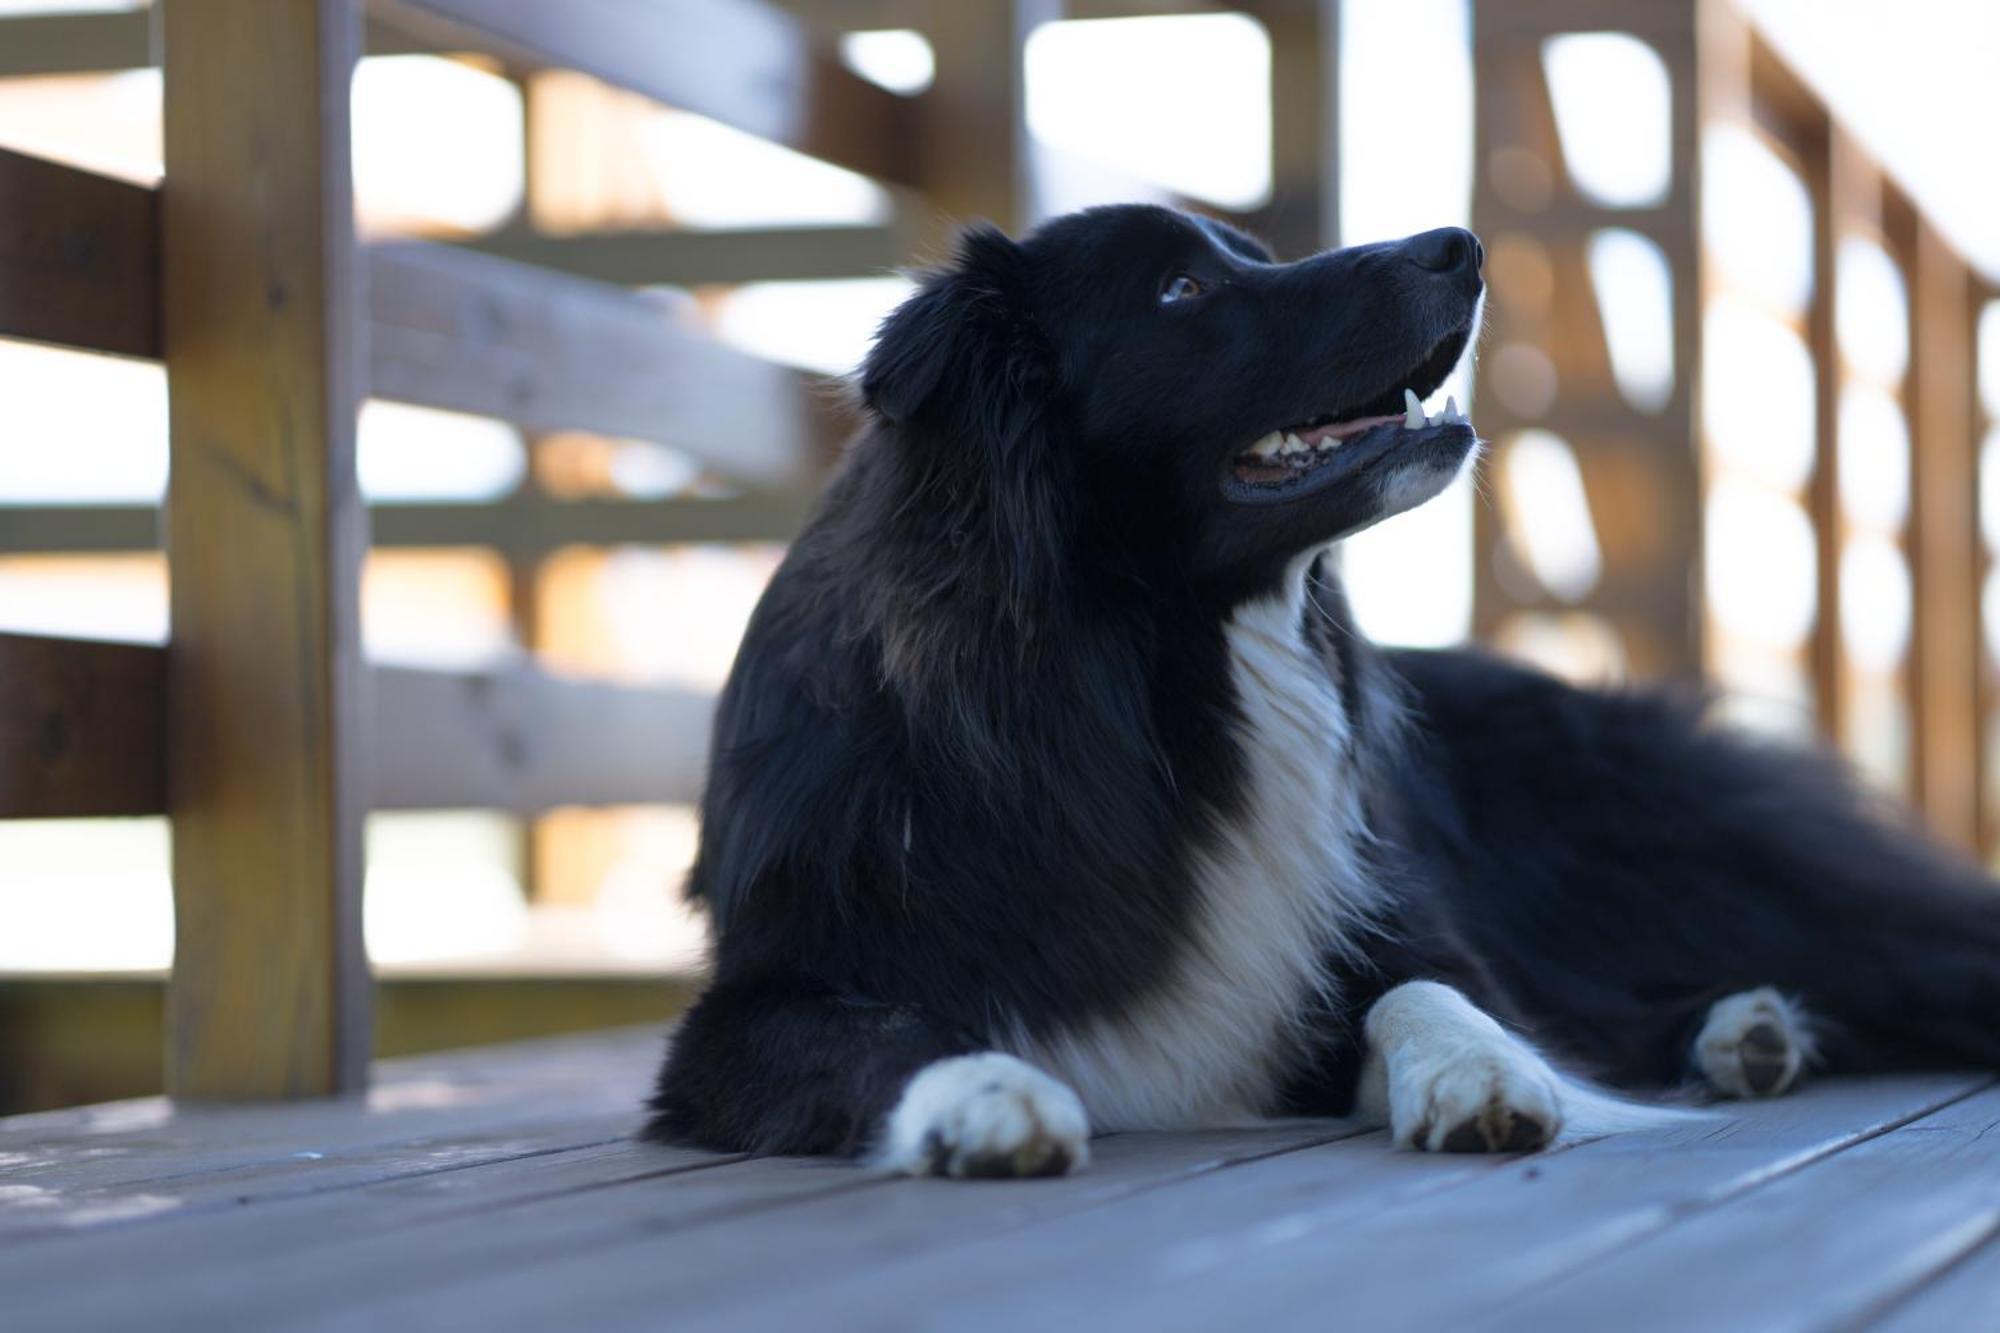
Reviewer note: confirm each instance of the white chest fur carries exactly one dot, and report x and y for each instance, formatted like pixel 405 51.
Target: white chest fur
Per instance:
pixel 1276 889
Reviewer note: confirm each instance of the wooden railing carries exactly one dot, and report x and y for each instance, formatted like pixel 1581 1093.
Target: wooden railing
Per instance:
pixel 263 733
pixel 1647 475
pixel 259 728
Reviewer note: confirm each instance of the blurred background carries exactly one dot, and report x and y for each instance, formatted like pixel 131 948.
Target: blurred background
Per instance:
pixel 1741 377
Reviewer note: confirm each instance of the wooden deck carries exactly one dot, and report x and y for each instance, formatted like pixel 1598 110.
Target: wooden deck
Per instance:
pixel 499 1189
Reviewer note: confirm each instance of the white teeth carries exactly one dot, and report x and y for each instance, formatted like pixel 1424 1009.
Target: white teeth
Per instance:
pixel 1268 446
pixel 1327 443
pixel 1295 445
pixel 1413 412
pixel 1451 412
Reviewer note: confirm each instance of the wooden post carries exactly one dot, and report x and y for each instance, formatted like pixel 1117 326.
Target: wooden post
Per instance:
pixel 265 534
pixel 1945 666
pixel 973 150
pixel 1304 212
pixel 1641 472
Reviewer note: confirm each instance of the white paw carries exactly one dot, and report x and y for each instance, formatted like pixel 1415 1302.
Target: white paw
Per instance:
pixel 1754 1044
pixel 985 1115
pixel 1494 1099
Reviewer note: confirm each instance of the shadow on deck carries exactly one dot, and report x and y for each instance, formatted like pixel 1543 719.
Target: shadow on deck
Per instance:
pixel 500 1189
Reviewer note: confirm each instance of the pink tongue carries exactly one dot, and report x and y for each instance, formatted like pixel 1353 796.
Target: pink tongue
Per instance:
pixel 1340 430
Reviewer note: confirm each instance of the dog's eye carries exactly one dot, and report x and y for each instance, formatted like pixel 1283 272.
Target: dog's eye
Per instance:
pixel 1180 287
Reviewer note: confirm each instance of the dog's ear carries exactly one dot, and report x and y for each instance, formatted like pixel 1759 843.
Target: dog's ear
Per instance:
pixel 964 375
pixel 961 342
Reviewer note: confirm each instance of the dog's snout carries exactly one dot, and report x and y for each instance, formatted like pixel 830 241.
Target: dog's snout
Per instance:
pixel 1446 250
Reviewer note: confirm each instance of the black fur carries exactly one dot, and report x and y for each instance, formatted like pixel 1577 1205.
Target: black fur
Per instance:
pixel 983 719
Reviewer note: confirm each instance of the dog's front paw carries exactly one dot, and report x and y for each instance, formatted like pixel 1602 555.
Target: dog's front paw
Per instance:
pixel 985 1115
pixel 1485 1101
pixel 1754 1044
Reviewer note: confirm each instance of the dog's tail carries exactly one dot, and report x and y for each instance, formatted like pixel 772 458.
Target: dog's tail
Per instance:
pixel 1921 983
pixel 1889 941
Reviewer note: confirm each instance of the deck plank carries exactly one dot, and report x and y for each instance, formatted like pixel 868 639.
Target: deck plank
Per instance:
pixel 668 1244
pixel 1964 1296
pixel 1814 1249
pixel 1280 1243
pixel 318 1246
pixel 140 1143
pixel 502 1189
pixel 893 1228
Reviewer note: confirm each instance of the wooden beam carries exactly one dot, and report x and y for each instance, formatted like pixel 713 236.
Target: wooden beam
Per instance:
pixel 520 528
pixel 85 727
pixel 92 720
pixel 105 43
pixel 1946 664
pixel 79 257
pixel 691 258
pixel 1303 215
pixel 74 1039
pixel 265 712
pixel 74 43
pixel 746 63
pixel 468 332
pixel 449 328
pixel 973 144
pixel 523 741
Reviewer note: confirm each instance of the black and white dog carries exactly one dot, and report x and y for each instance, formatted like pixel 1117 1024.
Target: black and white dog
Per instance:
pixel 1054 790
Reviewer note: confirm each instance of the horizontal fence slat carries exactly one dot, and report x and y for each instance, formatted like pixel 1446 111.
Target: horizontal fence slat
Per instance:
pixel 448 328
pixel 79 258
pixel 468 332
pixel 520 528
pixel 521 740
pixel 107 42
pixel 84 723
pixel 82 728
pixel 74 43
pixel 746 63
pixel 691 258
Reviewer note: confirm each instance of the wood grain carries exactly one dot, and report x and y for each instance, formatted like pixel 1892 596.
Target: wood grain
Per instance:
pixel 524 741
pixel 693 258
pixel 644 1256
pixel 265 533
pixel 525 527
pixel 83 727
pixel 79 257
pixel 1812 1249
pixel 93 718
pixel 498 1189
pixel 1946 663
pixel 449 328
pixel 1357 1227
pixel 746 63
pixel 454 329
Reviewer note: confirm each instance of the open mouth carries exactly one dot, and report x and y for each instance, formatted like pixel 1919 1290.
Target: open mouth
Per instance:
pixel 1298 458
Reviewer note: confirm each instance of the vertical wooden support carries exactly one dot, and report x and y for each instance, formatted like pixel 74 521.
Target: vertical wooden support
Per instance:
pixel 1641 472
pixel 1304 212
pixel 265 530
pixel 973 150
pixel 1829 178
pixel 1945 666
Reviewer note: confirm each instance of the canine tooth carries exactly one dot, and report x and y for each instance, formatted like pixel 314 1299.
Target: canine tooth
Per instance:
pixel 1413 411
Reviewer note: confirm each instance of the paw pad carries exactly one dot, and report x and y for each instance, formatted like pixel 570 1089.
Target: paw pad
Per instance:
pixel 1752 1044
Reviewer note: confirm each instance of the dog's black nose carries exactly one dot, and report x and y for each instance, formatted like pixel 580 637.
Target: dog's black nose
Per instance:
pixel 1446 250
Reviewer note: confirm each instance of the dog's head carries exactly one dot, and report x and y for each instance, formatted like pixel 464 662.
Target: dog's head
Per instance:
pixel 1156 379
